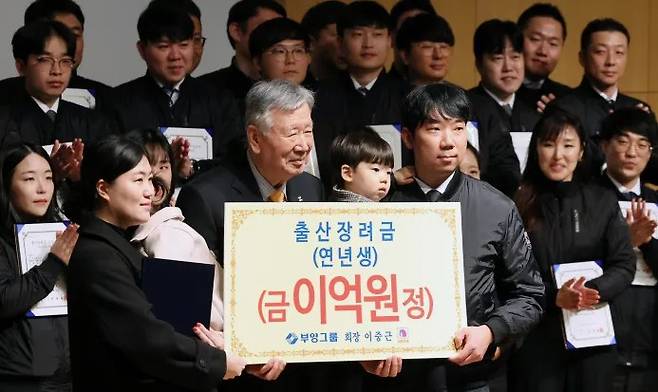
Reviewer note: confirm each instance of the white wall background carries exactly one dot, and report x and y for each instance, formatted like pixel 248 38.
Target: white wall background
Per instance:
pixel 110 55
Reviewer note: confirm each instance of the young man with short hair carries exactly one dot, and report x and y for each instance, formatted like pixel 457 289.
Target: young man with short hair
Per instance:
pixel 504 290
pixel 166 96
pixel 364 94
pixel 604 45
pixel 627 139
pixel 68 13
pixel 498 50
pixel 44 54
pixel 320 24
pixel 544 33
pixel 279 48
pixel 199 41
pixel 243 17
pixel 400 12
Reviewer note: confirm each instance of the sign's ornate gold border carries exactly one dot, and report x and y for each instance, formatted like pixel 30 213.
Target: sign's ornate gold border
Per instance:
pixel 238 218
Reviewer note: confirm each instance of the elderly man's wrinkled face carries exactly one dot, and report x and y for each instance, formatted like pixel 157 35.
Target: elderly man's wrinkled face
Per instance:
pixel 282 151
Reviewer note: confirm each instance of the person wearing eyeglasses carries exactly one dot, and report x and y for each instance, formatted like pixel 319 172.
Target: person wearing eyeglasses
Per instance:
pixel 627 139
pixel 166 95
pixel 69 13
pixel 44 53
pixel 279 50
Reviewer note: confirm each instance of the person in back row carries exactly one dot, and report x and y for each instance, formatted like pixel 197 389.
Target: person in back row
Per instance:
pixel 544 33
pixel 69 14
pixel 364 94
pixel 320 24
pixel 166 96
pixel 44 53
pixel 243 17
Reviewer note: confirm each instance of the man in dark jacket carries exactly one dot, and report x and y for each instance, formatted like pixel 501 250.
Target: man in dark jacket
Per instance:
pixel 364 94
pixel 603 53
pixel 69 14
pixel 498 51
pixel 544 32
pixel 503 287
pixel 167 96
pixel 627 137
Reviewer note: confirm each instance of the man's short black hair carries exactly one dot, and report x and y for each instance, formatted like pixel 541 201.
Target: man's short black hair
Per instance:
pixel 491 36
pixel 160 21
pixel 403 6
pixel 424 27
pixel 47 9
pixel 363 13
pixel 188 6
pixel 597 25
pixel 427 102
pixel 542 9
pixel 32 38
pixel 243 10
pixel 321 15
pixel 361 145
pixel 631 119
pixel 273 31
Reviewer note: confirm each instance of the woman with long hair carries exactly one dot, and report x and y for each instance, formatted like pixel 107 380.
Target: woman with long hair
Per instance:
pixel 568 220
pixel 34 351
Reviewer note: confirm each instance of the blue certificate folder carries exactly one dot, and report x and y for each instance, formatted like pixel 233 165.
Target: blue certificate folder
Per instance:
pixel 180 292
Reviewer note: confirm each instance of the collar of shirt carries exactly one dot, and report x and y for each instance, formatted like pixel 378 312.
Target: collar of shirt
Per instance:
pixel 605 96
pixel 174 87
pixel 637 189
pixel 441 188
pixel 45 107
pixel 264 186
pixel 533 84
pixel 368 86
pixel 510 100
pixel 160 217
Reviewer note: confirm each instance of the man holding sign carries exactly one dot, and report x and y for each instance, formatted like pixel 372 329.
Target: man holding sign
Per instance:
pixel 503 287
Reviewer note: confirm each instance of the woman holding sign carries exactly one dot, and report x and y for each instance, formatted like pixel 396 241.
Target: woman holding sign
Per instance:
pixel 116 342
pixel 33 350
pixel 569 221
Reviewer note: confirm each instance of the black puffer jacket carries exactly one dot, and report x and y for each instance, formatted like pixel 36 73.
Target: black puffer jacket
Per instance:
pixel 582 222
pixel 29 347
pixel 503 288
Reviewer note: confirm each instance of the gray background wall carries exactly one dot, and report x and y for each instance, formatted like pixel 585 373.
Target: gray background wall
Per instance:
pixel 110 55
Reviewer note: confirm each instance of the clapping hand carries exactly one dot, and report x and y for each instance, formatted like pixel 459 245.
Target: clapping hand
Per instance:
pixel 573 295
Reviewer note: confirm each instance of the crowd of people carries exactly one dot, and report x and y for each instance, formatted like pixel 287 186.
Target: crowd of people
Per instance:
pixel 311 90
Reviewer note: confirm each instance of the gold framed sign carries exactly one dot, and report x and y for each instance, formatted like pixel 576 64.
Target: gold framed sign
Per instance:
pixel 312 282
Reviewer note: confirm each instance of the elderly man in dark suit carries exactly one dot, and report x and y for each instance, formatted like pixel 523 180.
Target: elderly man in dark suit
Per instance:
pixel 279 135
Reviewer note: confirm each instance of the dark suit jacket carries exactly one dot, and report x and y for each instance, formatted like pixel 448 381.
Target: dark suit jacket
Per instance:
pixel 499 164
pixel 635 310
pixel 531 96
pixel 523 118
pixel 202 200
pixel 11 88
pixel 232 81
pixel 141 103
pixel 339 108
pixel 117 344
pixel 25 121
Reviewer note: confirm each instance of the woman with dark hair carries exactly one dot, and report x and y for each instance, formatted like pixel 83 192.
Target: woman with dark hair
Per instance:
pixel 33 351
pixel 568 220
pixel 116 341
